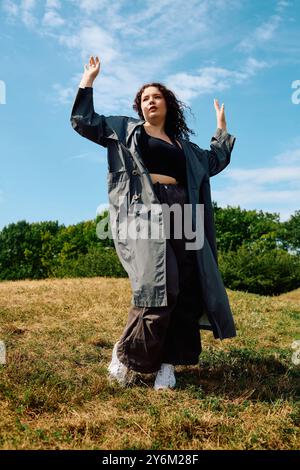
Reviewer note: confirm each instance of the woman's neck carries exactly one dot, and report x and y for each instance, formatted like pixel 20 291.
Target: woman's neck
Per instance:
pixel 155 128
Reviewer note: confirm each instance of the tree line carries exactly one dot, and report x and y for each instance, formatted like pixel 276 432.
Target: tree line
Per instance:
pixel 256 252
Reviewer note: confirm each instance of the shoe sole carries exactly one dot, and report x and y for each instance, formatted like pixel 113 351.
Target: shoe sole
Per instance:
pixel 164 387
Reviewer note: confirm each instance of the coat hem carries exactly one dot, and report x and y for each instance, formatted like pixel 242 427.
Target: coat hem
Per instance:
pixel 139 301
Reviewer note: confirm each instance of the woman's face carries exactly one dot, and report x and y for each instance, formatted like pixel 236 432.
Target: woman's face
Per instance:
pixel 154 106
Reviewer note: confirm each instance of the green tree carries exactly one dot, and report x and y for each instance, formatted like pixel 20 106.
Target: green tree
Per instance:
pixel 236 226
pixel 26 249
pixel 290 232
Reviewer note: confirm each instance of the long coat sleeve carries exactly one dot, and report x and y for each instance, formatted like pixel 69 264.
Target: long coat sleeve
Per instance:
pixel 91 125
pixel 221 147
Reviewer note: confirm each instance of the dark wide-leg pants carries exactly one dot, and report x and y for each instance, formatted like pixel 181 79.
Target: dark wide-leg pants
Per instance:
pixel 168 334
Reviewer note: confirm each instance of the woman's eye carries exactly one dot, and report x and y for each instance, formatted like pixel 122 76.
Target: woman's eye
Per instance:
pixel 154 97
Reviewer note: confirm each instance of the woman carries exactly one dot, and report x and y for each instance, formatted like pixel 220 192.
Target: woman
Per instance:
pixel 176 283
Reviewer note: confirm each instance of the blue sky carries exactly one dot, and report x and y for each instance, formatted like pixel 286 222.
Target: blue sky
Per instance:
pixel 246 53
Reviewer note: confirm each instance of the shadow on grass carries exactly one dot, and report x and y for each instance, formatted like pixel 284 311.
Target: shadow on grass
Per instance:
pixel 238 374
pixel 244 373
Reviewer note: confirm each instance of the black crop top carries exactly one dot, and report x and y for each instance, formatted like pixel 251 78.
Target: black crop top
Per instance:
pixel 163 158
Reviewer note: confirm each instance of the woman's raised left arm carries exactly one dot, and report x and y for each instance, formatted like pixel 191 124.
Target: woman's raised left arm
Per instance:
pixel 221 144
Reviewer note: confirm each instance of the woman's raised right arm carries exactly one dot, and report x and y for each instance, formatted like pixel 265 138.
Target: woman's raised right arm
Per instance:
pixel 84 119
pixel 96 127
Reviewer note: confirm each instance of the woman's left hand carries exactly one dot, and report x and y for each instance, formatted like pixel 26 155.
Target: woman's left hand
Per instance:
pixel 220 115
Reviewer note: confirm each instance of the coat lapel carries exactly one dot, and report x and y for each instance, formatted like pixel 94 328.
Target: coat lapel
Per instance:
pixel 132 136
pixel 132 124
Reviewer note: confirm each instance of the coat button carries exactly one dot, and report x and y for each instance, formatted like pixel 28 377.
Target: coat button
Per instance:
pixel 135 172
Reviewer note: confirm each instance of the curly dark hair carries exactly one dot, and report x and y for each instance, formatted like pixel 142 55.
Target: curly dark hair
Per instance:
pixel 175 125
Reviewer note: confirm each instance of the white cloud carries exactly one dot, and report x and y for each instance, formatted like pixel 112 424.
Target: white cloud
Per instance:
pixel 10 7
pixel 211 79
pixel 285 214
pixel 91 39
pixel 253 196
pixel 91 6
pixel 24 10
pixel 52 19
pixel 118 32
pixel 208 79
pixel 290 156
pixel 252 66
pixel 95 157
pixel 53 4
pixel 63 95
pixel 273 189
pixel 245 194
pixel 28 18
pixel 265 31
pixel 264 175
pixel 281 4
pixel 153 26
pixel 28 4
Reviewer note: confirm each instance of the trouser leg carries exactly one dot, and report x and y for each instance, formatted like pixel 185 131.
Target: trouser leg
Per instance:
pixel 142 342
pixel 183 341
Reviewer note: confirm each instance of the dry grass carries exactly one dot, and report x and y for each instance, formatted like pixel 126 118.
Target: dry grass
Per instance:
pixel 55 395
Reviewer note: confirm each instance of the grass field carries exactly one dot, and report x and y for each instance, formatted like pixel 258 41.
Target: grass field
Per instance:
pixel 54 391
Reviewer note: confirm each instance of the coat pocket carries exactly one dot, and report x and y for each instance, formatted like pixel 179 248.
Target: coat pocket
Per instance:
pixel 118 183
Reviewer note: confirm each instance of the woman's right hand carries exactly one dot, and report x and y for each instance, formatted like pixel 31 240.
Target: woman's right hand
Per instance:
pixel 90 72
pixel 93 68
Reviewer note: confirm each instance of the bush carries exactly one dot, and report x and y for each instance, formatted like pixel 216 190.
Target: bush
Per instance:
pixel 98 261
pixel 257 268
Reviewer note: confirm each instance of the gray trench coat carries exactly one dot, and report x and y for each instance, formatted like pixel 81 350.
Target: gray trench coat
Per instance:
pixel 129 180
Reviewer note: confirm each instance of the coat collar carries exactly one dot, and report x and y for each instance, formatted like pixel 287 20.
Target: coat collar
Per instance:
pixel 132 124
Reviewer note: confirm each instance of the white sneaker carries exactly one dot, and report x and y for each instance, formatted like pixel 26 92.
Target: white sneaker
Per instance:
pixel 117 370
pixel 165 377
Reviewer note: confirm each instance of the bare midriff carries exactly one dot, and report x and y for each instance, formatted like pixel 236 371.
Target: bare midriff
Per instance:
pixel 164 179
